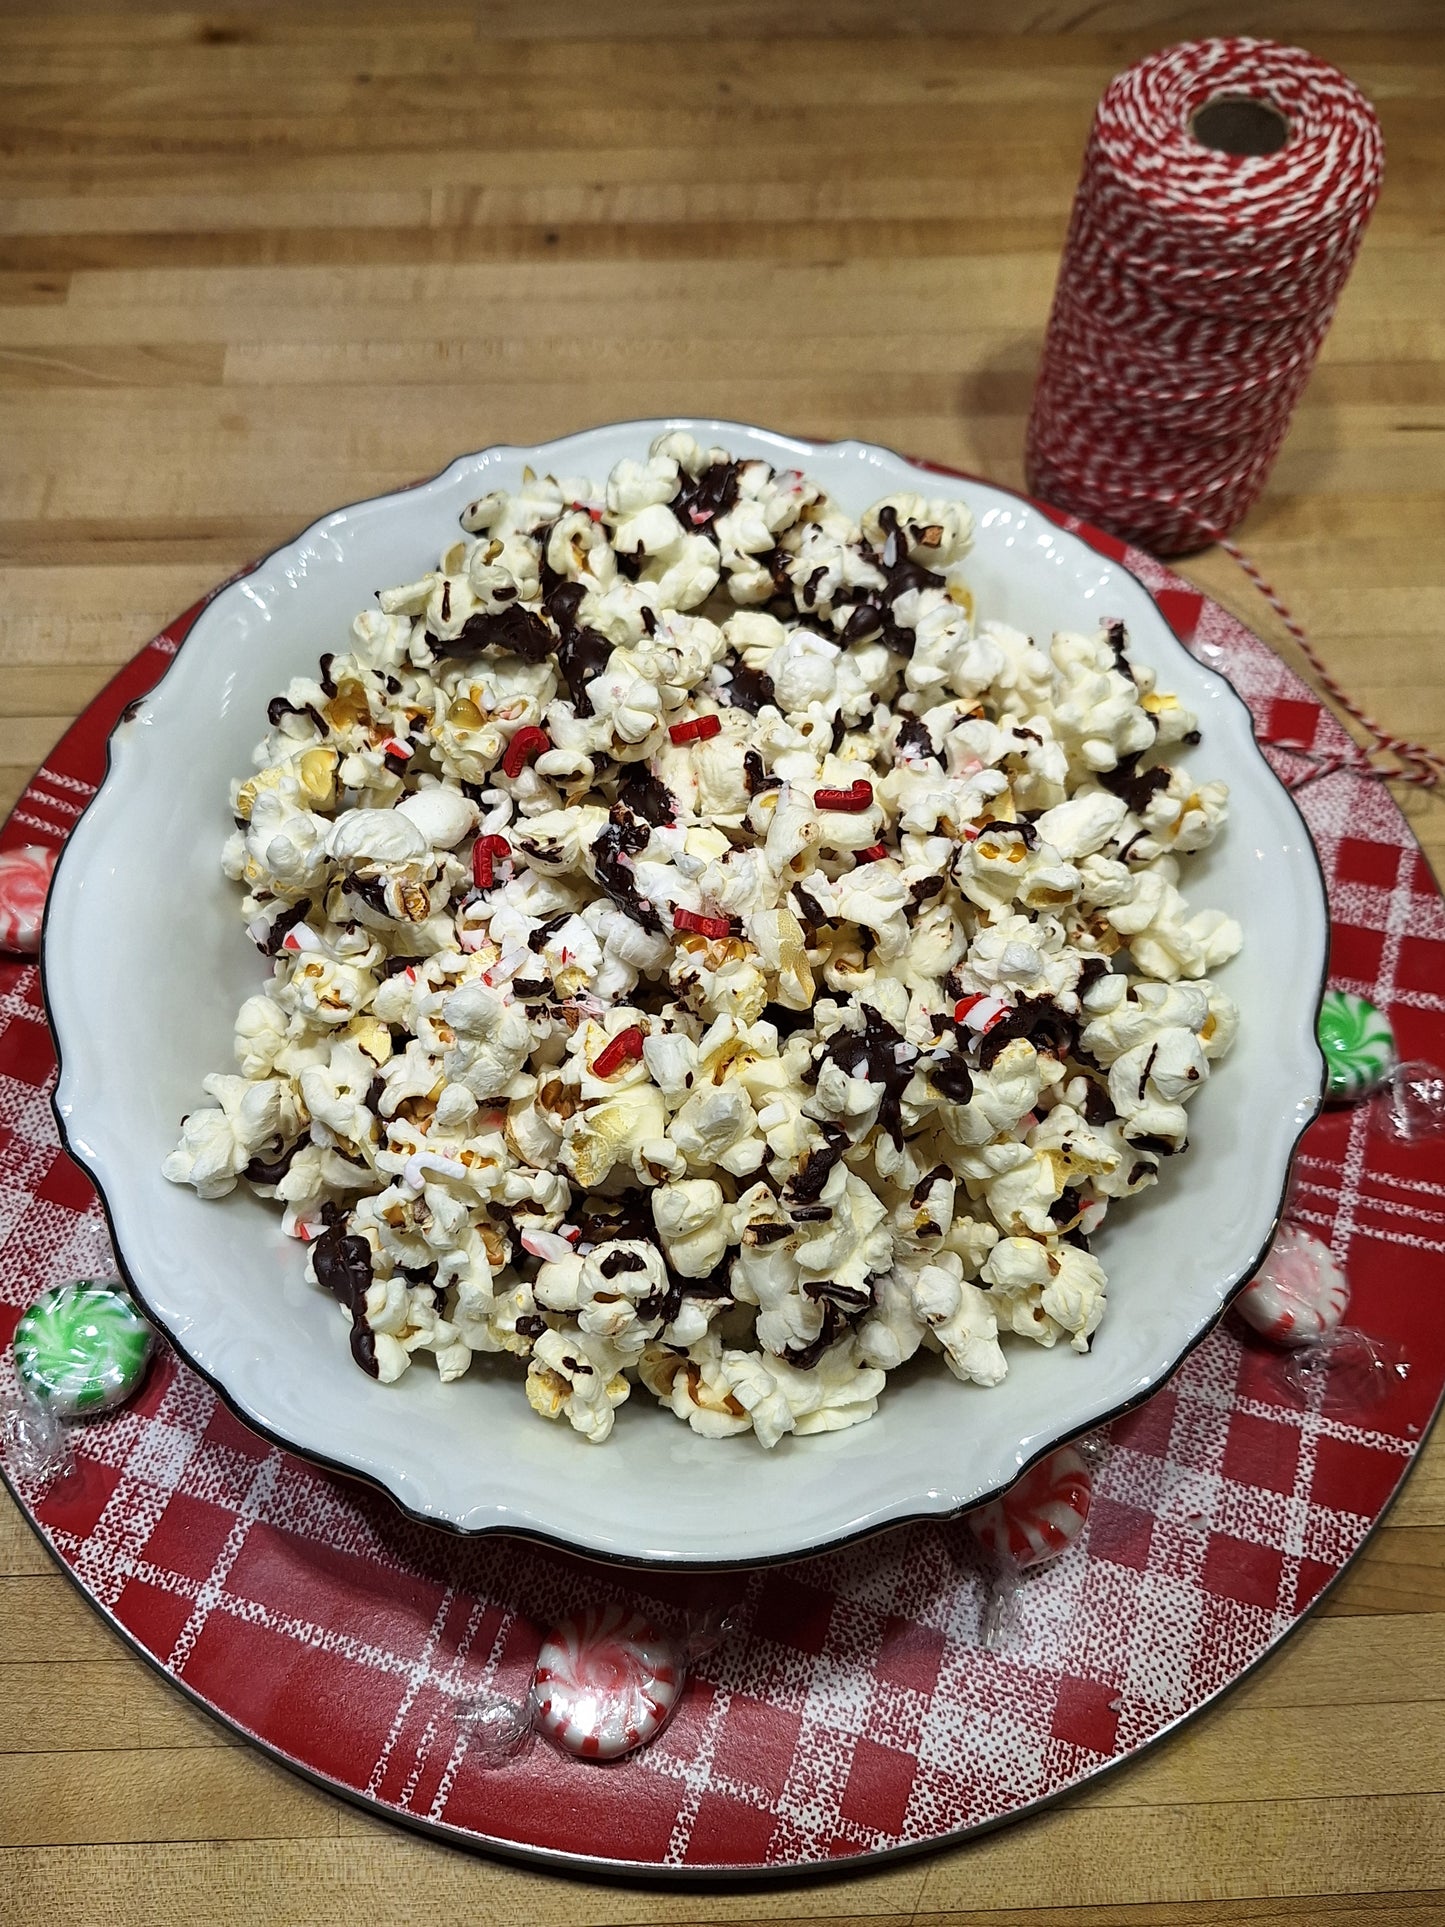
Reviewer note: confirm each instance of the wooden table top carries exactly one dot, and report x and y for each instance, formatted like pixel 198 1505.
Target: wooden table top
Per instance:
pixel 259 262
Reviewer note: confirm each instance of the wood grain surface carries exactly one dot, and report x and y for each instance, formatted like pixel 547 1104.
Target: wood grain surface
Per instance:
pixel 259 261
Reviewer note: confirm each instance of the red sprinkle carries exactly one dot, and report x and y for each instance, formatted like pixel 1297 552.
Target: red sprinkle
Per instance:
pixel 852 802
pixel 704 926
pixel 873 854
pixel 485 852
pixel 697 729
pixel 625 1048
pixel 526 744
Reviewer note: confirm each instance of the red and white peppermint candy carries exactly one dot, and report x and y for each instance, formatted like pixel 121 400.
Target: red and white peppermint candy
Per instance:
pixel 24 883
pixel 1042 1514
pixel 1299 1293
pixel 606 1683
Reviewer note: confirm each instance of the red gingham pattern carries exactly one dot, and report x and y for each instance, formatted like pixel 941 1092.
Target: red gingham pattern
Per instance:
pixel 1196 288
pixel 852 1709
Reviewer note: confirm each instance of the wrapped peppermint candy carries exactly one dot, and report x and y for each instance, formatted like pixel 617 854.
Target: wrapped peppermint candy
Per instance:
pixel 605 1684
pixel 1297 1301
pixel 1037 1519
pixel 81 1348
pixel 24 884
pixel 1042 1514
pixel 1358 1044
pixel 1298 1294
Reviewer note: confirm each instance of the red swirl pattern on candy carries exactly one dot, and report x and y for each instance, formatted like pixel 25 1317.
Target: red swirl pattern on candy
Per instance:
pixel 606 1683
pixel 1042 1514
pixel 24 884
pixel 1299 1294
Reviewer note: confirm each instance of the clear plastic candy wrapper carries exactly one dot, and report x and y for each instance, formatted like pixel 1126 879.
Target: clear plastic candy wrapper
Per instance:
pixel 33 1440
pixel 1413 1101
pixel 1037 1519
pixel 1297 1302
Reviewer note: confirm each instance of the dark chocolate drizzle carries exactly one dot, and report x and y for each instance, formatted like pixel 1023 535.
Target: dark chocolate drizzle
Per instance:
pixel 271 1171
pixel 750 689
pixel 755 777
pixel 1136 786
pixel 646 795
pixel 624 836
pixel 915 735
pixel 699 502
pixel 288 919
pixel 343 1267
pixel 873 1047
pixel 518 630
pixel 279 707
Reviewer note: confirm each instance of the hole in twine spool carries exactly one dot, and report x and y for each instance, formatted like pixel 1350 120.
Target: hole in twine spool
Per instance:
pixel 1236 124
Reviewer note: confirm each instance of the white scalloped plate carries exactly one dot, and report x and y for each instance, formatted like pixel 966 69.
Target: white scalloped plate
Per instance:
pixel 146 961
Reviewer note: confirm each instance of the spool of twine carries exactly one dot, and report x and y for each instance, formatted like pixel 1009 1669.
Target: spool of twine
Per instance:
pixel 1225 189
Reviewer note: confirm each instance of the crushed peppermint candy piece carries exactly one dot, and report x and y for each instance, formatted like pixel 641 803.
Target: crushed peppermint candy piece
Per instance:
pixel 980 1011
pixel 549 1246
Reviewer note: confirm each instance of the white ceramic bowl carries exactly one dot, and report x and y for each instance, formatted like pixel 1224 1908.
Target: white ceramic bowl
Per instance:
pixel 146 961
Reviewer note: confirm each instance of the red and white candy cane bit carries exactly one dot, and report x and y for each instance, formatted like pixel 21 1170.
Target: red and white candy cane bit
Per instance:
pixel 850 802
pixel 695 729
pixel 625 1048
pixel 1299 1293
pixel 487 851
pixel 980 1011
pixel 24 884
pixel 704 926
pixel 395 747
pixel 528 743
pixel 1042 1514
pixel 875 853
pixel 550 1246
pixel 606 1683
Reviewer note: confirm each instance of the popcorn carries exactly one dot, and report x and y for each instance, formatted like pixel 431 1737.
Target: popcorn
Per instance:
pixel 702 958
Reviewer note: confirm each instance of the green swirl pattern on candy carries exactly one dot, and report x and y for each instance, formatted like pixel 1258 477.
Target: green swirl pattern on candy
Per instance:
pixel 1358 1044
pixel 82 1347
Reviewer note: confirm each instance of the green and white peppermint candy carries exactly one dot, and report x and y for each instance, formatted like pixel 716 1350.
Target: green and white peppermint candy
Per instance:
pixel 1358 1044
pixel 82 1347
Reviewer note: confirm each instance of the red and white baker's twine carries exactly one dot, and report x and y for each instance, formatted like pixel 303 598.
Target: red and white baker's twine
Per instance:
pixel 1195 290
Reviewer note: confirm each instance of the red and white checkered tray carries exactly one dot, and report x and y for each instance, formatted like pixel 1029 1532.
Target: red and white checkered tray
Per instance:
pixel 852 1712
